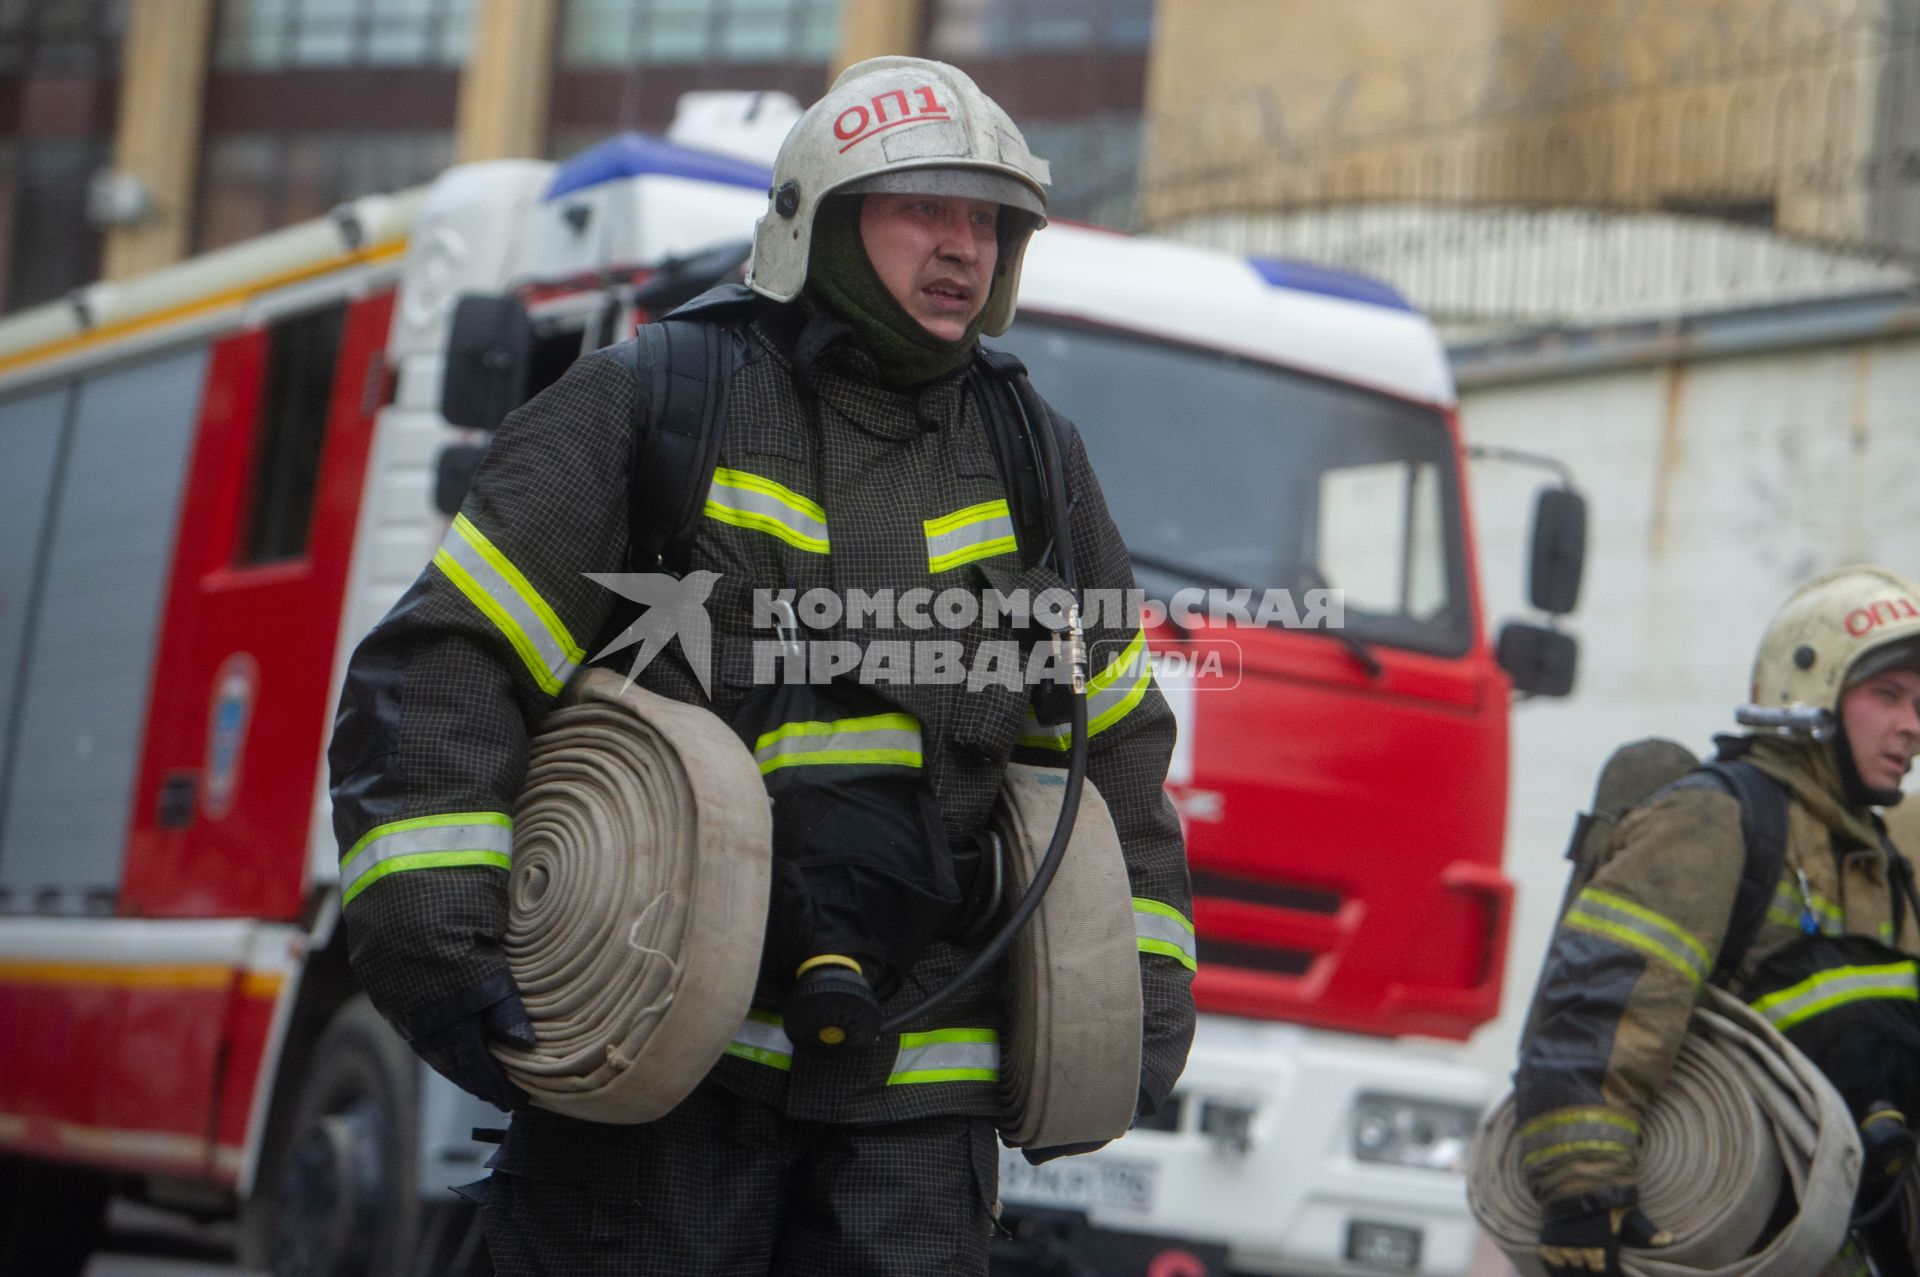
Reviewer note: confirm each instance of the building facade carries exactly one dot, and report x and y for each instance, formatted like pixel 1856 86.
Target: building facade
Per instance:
pixel 136 132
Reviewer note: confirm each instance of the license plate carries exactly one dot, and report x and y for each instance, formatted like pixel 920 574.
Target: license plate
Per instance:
pixel 1086 1182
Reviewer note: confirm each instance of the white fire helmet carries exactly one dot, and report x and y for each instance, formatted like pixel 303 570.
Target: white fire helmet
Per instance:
pixel 1834 631
pixel 905 125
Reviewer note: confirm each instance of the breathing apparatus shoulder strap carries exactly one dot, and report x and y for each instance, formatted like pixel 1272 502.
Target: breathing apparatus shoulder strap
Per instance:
pixel 1763 828
pixel 682 366
pixel 1015 412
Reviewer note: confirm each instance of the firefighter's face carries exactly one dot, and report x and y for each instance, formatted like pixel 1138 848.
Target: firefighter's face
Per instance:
pixel 935 254
pixel 1882 718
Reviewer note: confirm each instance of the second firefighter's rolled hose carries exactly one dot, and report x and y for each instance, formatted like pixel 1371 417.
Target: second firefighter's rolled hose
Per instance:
pixel 1743 1115
pixel 1070 1070
pixel 642 862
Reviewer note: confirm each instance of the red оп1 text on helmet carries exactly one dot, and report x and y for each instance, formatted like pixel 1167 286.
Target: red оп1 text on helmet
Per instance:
pixel 1864 620
pixel 911 106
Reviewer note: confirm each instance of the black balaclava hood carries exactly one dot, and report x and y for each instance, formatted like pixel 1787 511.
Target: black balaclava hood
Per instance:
pixel 1856 790
pixel 840 274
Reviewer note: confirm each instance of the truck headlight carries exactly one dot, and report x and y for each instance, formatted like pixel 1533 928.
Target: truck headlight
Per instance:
pixel 1396 1130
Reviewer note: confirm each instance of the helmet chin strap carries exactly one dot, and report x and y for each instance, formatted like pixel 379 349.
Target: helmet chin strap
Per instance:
pixel 1852 787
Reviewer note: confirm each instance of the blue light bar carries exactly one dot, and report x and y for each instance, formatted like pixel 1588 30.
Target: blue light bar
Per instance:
pixel 638 155
pixel 1284 272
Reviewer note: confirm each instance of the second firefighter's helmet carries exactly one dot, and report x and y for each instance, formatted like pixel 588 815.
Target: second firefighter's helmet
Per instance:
pixel 1831 633
pixel 905 125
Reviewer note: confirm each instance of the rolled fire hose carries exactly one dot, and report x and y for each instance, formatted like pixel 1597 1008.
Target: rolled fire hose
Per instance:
pixel 1070 1070
pixel 642 862
pixel 1743 1113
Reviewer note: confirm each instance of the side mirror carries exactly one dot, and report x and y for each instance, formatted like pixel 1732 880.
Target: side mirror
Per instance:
pixel 489 361
pixel 1559 555
pixel 1540 661
pixel 453 474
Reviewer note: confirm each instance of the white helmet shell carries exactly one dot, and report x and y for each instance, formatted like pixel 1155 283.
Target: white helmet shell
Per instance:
pixel 1834 631
pixel 898 124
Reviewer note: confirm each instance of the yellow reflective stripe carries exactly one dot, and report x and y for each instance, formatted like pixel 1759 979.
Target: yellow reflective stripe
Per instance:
pixel 1572 1146
pixel 751 501
pixel 1584 1129
pixel 1568 1117
pixel 876 740
pixel 518 583
pixel 977 532
pixel 947 1055
pixel 1836 987
pixel 1162 929
pixel 503 595
pixel 424 860
pixel 762 1039
pixel 1788 905
pixel 1605 914
pixel 426 842
pixel 1112 694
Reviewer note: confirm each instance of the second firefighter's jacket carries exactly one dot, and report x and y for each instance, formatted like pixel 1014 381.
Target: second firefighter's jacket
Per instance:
pixel 1635 945
pixel 826 480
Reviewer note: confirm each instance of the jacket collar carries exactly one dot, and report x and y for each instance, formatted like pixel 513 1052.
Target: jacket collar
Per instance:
pixel 1809 771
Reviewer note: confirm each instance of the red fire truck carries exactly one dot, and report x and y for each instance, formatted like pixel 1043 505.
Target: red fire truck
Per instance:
pixel 214 479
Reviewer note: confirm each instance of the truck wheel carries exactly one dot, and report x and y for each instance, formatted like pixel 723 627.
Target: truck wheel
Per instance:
pixel 345 1201
pixel 51 1218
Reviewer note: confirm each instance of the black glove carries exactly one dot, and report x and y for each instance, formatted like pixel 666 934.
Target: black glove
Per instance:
pixel 1583 1235
pixel 456 1040
pixel 1038 1156
pixel 1152 1095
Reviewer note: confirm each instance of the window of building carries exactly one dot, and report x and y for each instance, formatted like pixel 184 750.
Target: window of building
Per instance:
pixel 252 183
pixel 294 406
pixel 59 80
pixel 621 32
pixel 972 28
pixel 260 35
pixel 61 37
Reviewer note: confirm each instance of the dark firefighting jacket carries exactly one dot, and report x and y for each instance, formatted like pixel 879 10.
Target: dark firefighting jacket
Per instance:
pixel 1636 944
pixel 826 480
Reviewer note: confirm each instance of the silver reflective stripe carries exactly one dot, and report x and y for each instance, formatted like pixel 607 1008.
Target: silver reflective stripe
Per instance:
pixel 426 842
pixel 763 1041
pixel 1837 987
pixel 748 500
pixel 1112 694
pixel 1160 928
pixel 504 596
pixel 1618 919
pixel 977 532
pixel 880 740
pixel 1577 1130
pixel 947 1055
pixel 1788 905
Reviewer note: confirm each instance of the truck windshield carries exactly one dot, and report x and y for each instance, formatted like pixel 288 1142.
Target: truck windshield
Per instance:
pixel 1221 472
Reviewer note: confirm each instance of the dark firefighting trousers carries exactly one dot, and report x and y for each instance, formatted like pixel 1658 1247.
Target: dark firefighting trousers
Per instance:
pixel 724 1187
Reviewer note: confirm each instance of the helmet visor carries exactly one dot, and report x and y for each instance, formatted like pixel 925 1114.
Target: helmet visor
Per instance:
pixel 1900 654
pixel 963 183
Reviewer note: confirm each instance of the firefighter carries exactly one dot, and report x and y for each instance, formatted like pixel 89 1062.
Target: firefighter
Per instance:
pixel 1837 676
pixel 855 456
